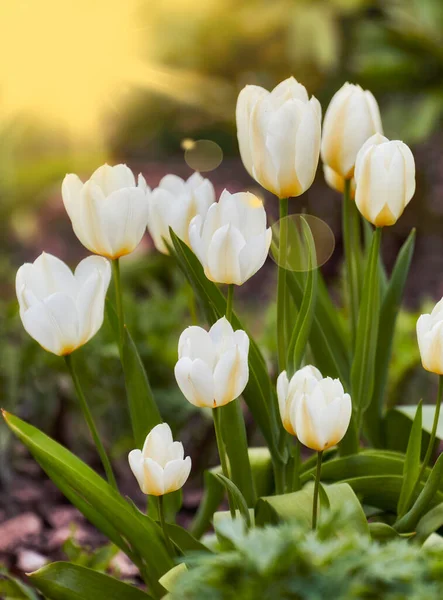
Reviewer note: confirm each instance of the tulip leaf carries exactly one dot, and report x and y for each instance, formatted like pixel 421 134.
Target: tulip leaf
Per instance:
pixel 12 588
pixel 184 540
pixel 237 496
pixel 259 394
pixel 303 324
pixel 66 581
pixel 169 579
pixel 382 532
pixel 99 502
pixel 432 521
pixel 427 497
pixel 327 338
pixel 388 317
pixel 411 469
pixel 298 505
pixel 398 424
pixel 363 366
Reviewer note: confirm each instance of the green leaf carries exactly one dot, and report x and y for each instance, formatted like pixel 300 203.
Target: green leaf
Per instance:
pixel 398 424
pixel 327 338
pixel 65 581
pixel 429 523
pixel 411 469
pixel 303 324
pixel 383 532
pixel 298 505
pixel 184 540
pixel 98 501
pixel 362 372
pixel 12 588
pixel 260 395
pixel 143 409
pixel 169 579
pixel 237 496
pixel 427 496
pixel 388 317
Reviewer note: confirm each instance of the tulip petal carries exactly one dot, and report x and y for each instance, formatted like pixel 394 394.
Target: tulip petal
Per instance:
pixel 111 179
pixel 92 264
pixel 245 104
pixel 135 459
pixel 153 478
pixel 307 144
pixel 223 256
pixel 176 473
pixel 254 254
pixel 157 444
pixel 196 342
pixel 198 391
pixel 45 276
pixel 231 375
pixel 38 322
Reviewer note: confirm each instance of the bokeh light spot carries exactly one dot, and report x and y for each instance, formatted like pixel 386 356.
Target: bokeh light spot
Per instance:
pixel 299 229
pixel 204 155
pixel 187 144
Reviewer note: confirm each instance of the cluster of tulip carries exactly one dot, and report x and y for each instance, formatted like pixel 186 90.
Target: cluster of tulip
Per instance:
pixel 280 138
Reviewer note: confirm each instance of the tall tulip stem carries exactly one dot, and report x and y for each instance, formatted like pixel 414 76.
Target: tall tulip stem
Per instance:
pixel 222 454
pixel 118 300
pixel 90 422
pixel 351 243
pixel 316 490
pixel 229 302
pixel 281 287
pixel 161 514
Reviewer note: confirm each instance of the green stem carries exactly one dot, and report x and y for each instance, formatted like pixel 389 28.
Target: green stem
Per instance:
pixel 316 489
pixel 161 514
pixel 281 286
pixel 295 484
pixel 222 454
pixel 118 301
pixel 229 302
pixel 350 252
pixel 431 443
pixel 90 422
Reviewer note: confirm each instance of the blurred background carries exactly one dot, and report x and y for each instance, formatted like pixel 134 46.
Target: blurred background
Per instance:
pixel 144 82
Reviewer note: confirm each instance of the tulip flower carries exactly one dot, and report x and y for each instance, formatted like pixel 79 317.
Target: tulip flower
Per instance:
pixel 336 181
pixel 385 180
pixel 109 212
pixel 430 339
pixel 314 409
pixel 212 369
pixel 279 136
pixel 160 468
pixel 62 310
pixel 231 241
pixel 350 119
pixel 174 203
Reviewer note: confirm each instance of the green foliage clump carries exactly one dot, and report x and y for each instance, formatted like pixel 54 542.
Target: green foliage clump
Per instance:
pixel 289 562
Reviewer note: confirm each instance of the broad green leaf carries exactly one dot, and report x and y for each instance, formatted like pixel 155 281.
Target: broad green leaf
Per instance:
pixel 382 532
pixel 65 581
pixel 236 444
pixel 388 317
pixel 98 500
pixel 259 394
pixel 142 407
pixel 426 498
pixel 362 372
pixel 237 496
pixel 298 505
pixel 411 467
pixel 184 540
pixel 12 588
pixel 432 521
pixel 398 423
pixel 327 338
pixel 169 579
pixel 303 324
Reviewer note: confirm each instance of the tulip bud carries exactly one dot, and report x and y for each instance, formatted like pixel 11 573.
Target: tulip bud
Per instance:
pixel 350 119
pixel 279 136
pixel 336 181
pixel 109 212
pixel 232 241
pixel 59 309
pixel 314 409
pixel 160 468
pixel 430 339
pixel 385 180
pixel 174 203
pixel 212 369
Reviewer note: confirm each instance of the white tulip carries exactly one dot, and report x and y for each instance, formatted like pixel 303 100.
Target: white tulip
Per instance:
pixel 62 310
pixel 430 339
pixel 212 369
pixel 232 241
pixel 289 392
pixel 385 180
pixel 336 181
pixel 314 409
pixel 160 468
pixel 279 136
pixel 350 119
pixel 109 212
pixel 174 203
